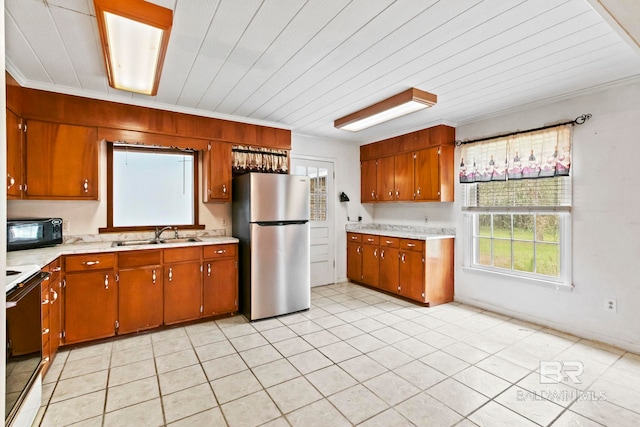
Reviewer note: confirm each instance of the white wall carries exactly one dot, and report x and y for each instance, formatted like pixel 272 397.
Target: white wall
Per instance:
pixel 606 229
pixel 346 157
pixel 86 217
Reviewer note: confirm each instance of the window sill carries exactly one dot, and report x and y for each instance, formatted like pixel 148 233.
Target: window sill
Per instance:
pixel 558 286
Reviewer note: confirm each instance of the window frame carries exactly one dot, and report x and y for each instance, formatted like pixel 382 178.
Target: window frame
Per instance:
pixel 110 228
pixel 564 279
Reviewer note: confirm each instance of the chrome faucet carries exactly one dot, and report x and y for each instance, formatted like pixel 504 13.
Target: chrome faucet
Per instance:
pixel 160 230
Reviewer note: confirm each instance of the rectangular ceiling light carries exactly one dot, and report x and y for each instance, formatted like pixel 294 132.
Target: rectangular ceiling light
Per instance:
pixel 134 36
pixel 398 105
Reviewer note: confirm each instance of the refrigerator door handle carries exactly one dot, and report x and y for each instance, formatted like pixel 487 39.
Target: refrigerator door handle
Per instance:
pixel 279 223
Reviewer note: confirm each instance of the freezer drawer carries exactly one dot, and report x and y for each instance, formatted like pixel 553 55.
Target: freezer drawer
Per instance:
pixel 280 269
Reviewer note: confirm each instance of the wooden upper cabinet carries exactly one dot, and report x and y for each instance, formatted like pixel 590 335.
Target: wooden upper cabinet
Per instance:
pixel 404 177
pixel 386 188
pixel 14 156
pixel 434 174
pixel 368 181
pixel 61 161
pixel 218 163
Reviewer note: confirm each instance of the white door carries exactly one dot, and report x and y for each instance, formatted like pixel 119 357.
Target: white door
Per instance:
pixel 322 199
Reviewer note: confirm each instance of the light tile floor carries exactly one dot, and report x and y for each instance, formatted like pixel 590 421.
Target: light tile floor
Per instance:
pixel 358 357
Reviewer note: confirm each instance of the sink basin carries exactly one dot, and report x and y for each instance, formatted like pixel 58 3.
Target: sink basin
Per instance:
pixel 134 242
pixel 181 240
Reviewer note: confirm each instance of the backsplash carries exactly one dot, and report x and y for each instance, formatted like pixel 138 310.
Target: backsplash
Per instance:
pixel 401 228
pixel 143 235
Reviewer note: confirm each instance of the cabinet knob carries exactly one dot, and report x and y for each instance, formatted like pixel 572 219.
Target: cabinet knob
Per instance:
pixel 411 245
pixel 55 296
pixel 45 331
pixel 390 193
pixel 45 301
pixel 221 251
pixel 10 181
pixel 373 194
pixel 85 185
pixel 397 193
pixel 375 253
pixel 90 263
pixel 418 192
pixel 382 254
pixel 402 257
pixel 170 274
pixel 209 269
pixel 153 277
pixel 106 281
pixel 224 188
pixel 358 249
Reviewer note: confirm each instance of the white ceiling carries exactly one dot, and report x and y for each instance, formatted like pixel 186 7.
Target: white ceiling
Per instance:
pixel 302 64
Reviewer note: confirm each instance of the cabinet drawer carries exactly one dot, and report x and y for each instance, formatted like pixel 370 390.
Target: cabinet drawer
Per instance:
pixel 139 258
pixel 54 266
pixel 354 237
pixel 412 245
pixel 89 262
pixel 219 251
pixel 182 254
pixel 390 242
pixel 370 239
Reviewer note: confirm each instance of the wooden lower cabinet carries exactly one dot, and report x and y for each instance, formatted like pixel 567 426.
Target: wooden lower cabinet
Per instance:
pixel 220 286
pixel 91 306
pixel 51 293
pixel 354 261
pixel 135 290
pixel 140 299
pixel 140 290
pixel 389 269
pixel 411 275
pixel 416 269
pixel 182 292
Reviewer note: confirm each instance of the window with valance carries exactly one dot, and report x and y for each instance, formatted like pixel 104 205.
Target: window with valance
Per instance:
pixel 517 223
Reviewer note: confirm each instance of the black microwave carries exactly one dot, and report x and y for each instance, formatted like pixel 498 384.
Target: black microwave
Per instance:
pixel 31 233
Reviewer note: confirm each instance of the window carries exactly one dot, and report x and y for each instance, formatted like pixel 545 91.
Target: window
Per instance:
pixel 317 191
pixel 151 186
pixel 517 222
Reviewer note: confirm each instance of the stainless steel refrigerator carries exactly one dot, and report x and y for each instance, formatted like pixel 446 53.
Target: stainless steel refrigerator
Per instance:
pixel 271 220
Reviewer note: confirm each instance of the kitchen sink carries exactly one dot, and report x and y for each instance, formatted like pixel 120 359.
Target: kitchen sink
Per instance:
pixel 135 242
pixel 181 240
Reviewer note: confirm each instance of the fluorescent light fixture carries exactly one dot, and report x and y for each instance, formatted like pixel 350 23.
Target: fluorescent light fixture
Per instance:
pixel 134 36
pixel 406 102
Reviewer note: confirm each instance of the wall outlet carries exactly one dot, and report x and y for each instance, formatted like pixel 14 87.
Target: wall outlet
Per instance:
pixel 66 227
pixel 224 221
pixel 610 304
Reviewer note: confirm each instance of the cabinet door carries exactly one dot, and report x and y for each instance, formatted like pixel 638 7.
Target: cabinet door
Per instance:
pixel 219 172
pixel 389 269
pixel 91 304
pixel 55 310
pixel 404 177
pixel 412 275
pixel 61 161
pixel 386 179
pixel 182 292
pixel 427 174
pixel 220 286
pixel 368 181
pixel 140 299
pixel 354 261
pixel 14 156
pixel 370 265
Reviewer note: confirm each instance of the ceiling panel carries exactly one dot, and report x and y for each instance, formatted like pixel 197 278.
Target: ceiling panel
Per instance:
pixel 302 64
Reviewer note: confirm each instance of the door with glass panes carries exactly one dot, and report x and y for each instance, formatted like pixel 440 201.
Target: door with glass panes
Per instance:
pixel 322 199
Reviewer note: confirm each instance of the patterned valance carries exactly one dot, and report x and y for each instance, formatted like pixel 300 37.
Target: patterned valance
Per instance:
pixel 257 159
pixel 537 154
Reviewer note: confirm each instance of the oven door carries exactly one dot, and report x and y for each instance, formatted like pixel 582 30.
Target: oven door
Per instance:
pixel 23 342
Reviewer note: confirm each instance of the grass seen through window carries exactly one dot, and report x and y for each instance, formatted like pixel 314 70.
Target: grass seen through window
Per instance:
pixel 522 242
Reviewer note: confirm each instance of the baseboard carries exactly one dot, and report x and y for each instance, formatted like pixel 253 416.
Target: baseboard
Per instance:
pixel 581 333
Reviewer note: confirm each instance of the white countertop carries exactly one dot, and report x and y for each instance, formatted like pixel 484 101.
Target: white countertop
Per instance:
pixel 403 231
pixel 44 256
pixel 403 234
